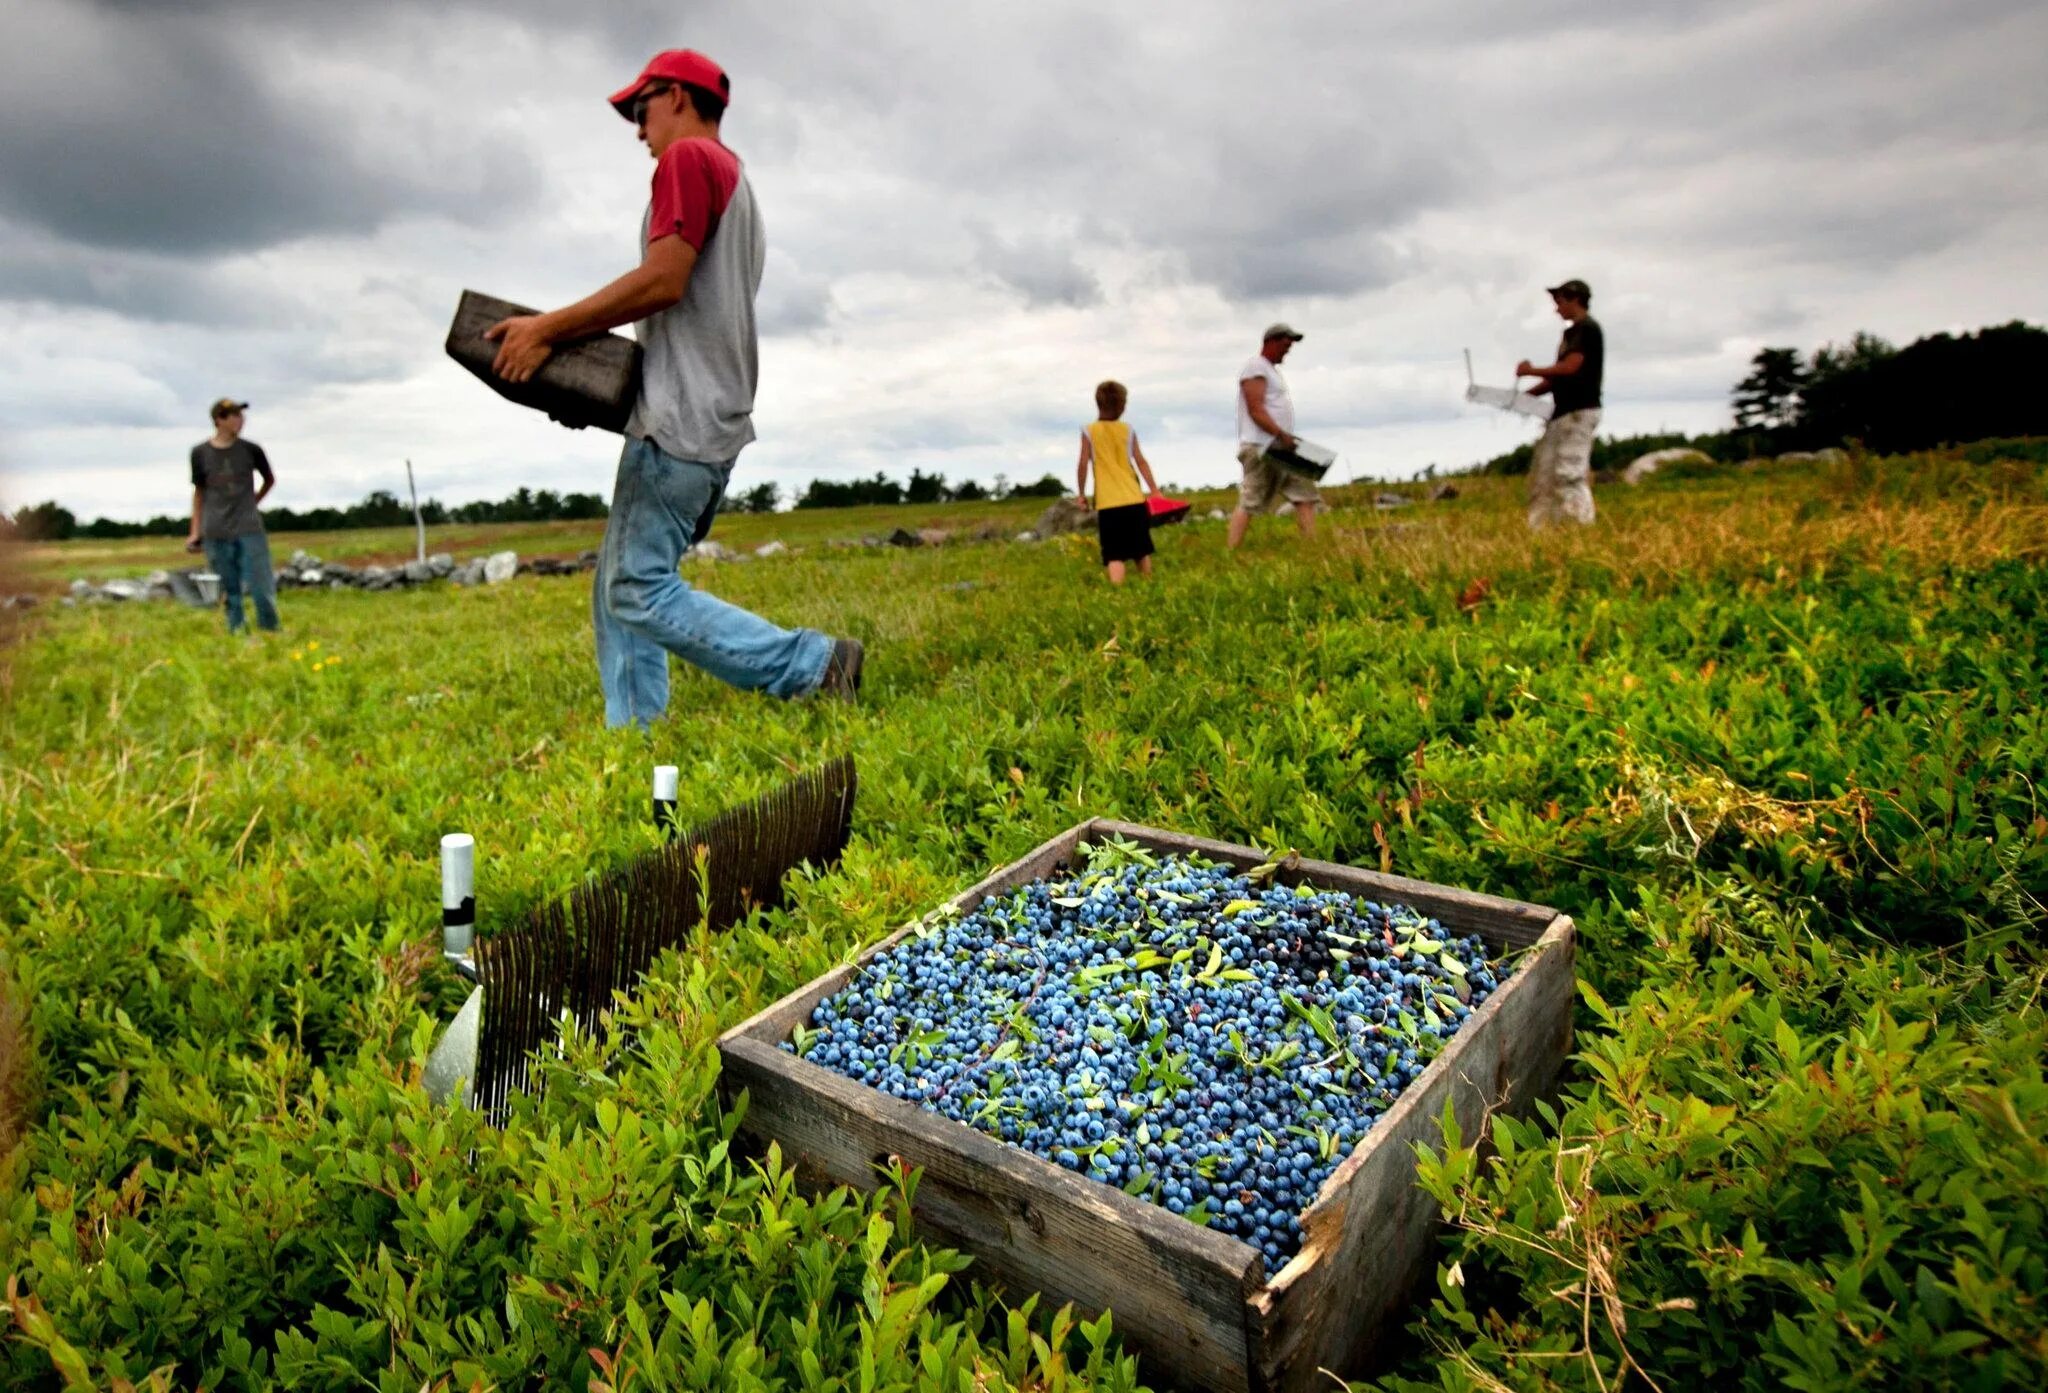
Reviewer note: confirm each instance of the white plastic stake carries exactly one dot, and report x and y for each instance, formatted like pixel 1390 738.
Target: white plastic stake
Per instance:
pixel 665 782
pixel 458 894
pixel 418 522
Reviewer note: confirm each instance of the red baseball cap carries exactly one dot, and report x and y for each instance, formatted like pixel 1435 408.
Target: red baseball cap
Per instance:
pixel 674 65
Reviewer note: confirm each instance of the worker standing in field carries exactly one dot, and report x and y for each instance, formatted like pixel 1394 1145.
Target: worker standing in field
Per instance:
pixel 1123 519
pixel 1265 416
pixel 225 520
pixel 691 302
pixel 1560 476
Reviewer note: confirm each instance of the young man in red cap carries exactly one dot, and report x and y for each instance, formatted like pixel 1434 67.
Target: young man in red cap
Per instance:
pixel 691 302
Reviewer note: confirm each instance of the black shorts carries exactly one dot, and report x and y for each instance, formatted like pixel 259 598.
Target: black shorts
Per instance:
pixel 1125 533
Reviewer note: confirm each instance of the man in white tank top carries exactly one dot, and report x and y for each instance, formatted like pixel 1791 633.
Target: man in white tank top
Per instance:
pixel 691 302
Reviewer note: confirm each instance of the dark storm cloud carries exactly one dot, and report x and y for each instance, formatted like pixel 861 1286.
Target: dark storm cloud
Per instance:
pixel 1042 268
pixel 1271 161
pixel 140 128
pixel 38 269
pixel 1259 193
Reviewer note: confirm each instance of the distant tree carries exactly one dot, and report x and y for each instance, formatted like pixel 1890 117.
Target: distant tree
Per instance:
pixel 159 526
pixel 967 491
pixel 381 509
pixel 1945 389
pixel 1768 399
pixel 833 493
pixel 44 522
pixel 1940 390
pixel 925 488
pixel 1047 487
pixel 1864 351
pixel 761 498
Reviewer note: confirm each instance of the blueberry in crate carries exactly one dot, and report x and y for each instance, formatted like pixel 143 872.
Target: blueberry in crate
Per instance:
pixel 1194 1035
pixel 1130 1028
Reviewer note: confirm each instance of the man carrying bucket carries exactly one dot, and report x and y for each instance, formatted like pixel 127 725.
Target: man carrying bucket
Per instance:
pixel 1265 416
pixel 691 302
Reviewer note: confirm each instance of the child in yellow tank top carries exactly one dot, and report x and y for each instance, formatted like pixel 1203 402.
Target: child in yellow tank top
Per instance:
pixel 1123 520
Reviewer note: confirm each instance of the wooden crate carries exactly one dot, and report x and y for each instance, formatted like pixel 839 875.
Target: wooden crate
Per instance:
pixel 1197 1304
pixel 590 381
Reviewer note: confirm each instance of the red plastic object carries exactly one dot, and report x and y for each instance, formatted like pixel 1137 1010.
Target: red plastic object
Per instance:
pixel 1165 510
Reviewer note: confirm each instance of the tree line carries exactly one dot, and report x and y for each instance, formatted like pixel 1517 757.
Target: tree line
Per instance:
pixel 52 522
pixel 883 490
pixel 1943 389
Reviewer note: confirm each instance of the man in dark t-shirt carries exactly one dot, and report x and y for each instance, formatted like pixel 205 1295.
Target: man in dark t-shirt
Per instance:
pixel 224 516
pixel 1560 476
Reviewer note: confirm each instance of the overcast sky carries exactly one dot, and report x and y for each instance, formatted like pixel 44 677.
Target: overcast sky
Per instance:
pixel 975 212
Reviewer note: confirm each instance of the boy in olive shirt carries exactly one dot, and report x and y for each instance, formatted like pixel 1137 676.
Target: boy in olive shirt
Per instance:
pixel 224 516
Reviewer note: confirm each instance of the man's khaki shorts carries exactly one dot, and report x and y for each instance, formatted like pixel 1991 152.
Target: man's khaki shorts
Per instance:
pixel 1266 485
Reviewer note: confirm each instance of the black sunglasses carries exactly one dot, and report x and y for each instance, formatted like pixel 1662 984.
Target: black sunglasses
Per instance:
pixel 637 108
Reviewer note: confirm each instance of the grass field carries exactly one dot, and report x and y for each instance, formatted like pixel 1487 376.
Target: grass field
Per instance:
pixel 1775 739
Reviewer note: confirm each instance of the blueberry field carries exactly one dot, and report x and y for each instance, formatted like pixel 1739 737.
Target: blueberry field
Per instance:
pixel 1774 739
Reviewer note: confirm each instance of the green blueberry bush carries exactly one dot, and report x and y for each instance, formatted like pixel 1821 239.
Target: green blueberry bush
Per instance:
pixel 1774 740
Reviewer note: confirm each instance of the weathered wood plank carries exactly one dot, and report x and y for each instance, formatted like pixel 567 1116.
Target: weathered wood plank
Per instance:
pixel 1369 1240
pixel 1178 1291
pixel 1505 923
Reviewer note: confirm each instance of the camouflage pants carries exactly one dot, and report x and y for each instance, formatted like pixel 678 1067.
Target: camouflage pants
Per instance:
pixel 1560 486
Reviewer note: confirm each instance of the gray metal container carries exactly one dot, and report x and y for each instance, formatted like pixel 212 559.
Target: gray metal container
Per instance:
pixel 1306 458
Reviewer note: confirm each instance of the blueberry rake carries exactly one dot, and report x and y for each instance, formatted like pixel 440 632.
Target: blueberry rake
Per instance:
pixel 571 957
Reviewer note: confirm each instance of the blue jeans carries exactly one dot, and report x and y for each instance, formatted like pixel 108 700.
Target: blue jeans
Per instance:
pixel 643 611
pixel 243 563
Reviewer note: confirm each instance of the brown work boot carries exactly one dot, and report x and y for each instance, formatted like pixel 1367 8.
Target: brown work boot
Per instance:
pixel 842 670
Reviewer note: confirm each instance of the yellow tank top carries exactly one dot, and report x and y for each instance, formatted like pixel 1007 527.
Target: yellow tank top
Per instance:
pixel 1116 480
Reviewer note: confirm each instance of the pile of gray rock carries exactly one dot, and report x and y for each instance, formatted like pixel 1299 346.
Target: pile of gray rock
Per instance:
pixel 304 571
pixel 709 550
pixel 157 585
pixel 307 571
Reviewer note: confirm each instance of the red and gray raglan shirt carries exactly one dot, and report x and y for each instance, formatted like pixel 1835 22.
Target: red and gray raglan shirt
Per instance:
pixel 700 358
